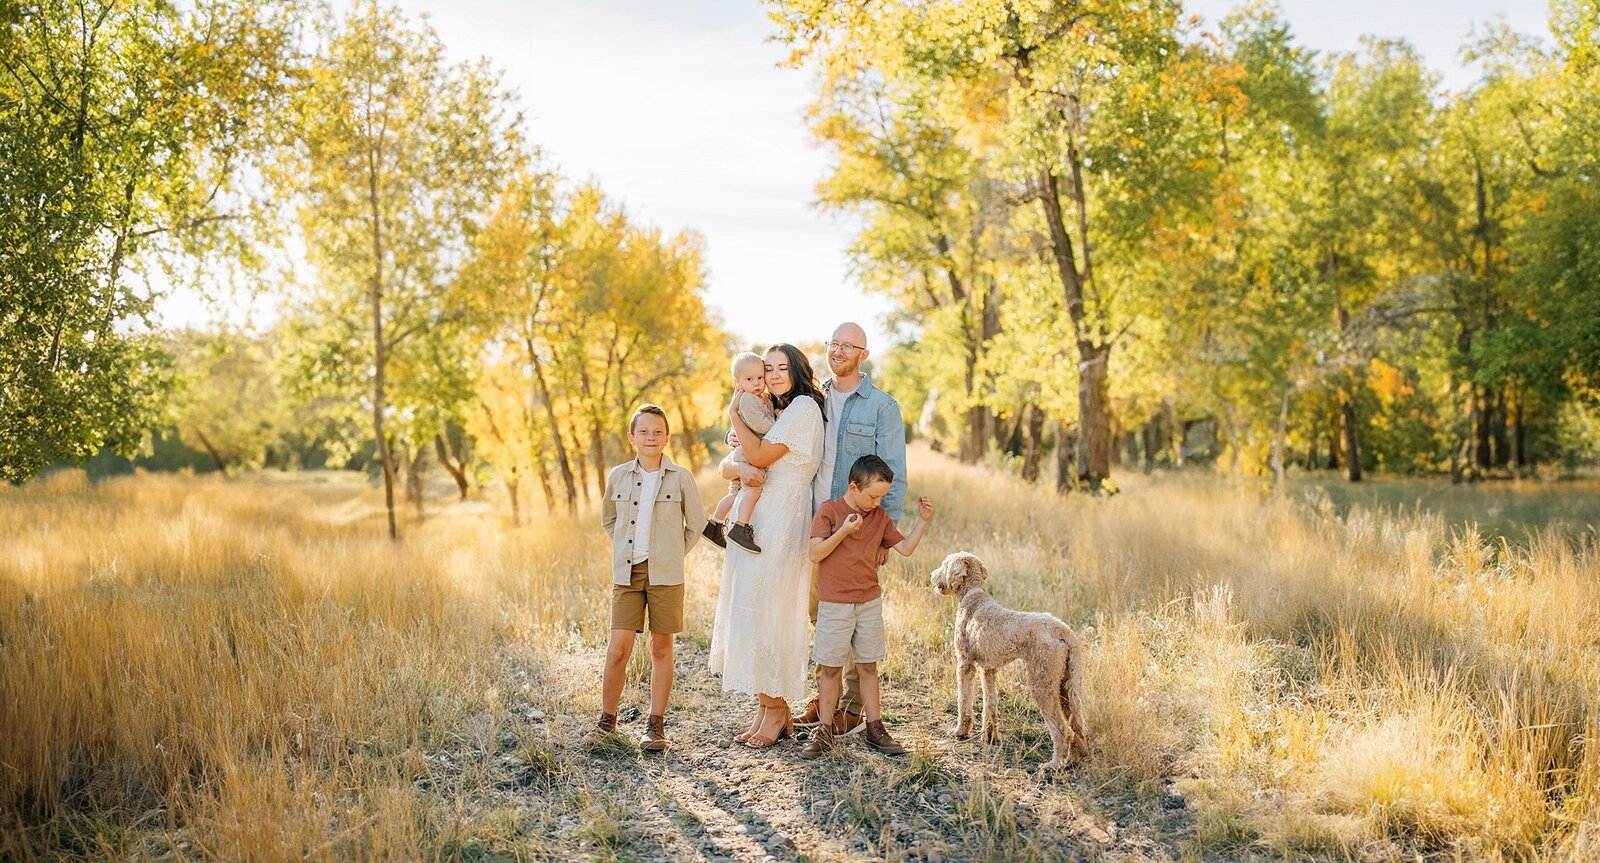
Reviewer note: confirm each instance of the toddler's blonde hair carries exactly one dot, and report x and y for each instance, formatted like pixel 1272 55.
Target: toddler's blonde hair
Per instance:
pixel 745 359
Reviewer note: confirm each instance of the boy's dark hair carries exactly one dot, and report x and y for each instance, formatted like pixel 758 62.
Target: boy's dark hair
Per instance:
pixel 633 421
pixel 868 468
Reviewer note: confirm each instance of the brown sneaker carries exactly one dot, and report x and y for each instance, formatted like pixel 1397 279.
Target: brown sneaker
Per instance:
pixel 745 536
pixel 713 532
pixel 820 743
pixel 655 734
pixel 878 738
pixel 809 718
pixel 846 723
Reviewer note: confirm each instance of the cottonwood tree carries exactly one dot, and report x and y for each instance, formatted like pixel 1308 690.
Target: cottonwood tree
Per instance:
pixel 124 127
pixel 398 153
pixel 1078 109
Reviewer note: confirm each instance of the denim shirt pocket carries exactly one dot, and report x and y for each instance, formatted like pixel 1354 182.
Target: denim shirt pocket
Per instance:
pixel 859 439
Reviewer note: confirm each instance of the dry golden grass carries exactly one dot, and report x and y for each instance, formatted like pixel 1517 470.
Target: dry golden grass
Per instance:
pixel 249 670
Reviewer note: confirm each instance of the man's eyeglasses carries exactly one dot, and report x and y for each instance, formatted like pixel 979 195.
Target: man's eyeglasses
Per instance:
pixel 839 346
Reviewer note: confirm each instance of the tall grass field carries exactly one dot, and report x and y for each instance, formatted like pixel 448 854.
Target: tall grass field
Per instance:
pixel 200 669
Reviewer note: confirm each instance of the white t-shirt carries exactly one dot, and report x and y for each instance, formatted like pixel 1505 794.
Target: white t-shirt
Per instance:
pixel 822 486
pixel 646 512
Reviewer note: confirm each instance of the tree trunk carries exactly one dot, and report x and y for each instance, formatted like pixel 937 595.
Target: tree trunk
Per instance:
pixel 1177 433
pixel 1280 436
pixel 597 443
pixel 981 421
pixel 1333 442
pixel 555 430
pixel 513 491
pixel 1149 443
pixel 1094 450
pixel 1008 433
pixel 380 357
pixel 205 442
pixel 975 437
pixel 1094 438
pixel 1481 455
pixel 1034 446
pixel 545 487
pixel 1066 449
pixel 1497 429
pixel 458 470
pixel 1118 439
pixel 385 458
pixel 414 488
pixel 1519 440
pixel 1349 429
pixel 1349 435
pixel 580 463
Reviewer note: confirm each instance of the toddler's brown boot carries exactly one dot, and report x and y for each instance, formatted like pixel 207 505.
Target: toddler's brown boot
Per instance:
pixel 745 536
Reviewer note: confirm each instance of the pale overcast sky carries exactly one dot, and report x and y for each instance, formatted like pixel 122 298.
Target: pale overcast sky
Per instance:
pixel 679 111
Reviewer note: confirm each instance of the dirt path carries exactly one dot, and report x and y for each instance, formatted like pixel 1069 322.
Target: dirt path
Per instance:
pixel 710 799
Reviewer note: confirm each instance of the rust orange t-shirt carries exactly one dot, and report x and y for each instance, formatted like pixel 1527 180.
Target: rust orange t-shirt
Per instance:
pixel 850 574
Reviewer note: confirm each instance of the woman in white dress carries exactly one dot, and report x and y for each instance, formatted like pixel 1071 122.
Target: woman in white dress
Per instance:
pixel 759 643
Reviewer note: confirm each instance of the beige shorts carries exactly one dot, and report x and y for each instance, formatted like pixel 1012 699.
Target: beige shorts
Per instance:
pixel 663 601
pixel 843 627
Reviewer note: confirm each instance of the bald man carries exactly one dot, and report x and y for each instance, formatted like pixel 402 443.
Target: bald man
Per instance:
pixel 861 420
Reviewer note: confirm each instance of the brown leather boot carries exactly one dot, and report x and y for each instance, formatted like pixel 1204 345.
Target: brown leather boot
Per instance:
pixel 846 723
pixel 878 738
pixel 820 743
pixel 606 727
pixel 655 734
pixel 808 718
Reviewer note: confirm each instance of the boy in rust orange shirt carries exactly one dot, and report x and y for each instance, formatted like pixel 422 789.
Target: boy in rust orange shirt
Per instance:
pixel 846 536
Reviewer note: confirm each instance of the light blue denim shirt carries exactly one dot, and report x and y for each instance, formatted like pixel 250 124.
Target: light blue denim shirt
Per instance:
pixel 869 425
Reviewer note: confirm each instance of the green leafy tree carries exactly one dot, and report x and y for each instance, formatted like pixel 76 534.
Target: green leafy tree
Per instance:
pixel 398 154
pixel 124 128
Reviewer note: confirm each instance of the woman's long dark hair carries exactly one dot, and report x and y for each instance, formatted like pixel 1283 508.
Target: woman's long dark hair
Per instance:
pixel 802 380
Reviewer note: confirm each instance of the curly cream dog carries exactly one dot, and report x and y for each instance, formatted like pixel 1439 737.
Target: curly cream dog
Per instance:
pixel 988 636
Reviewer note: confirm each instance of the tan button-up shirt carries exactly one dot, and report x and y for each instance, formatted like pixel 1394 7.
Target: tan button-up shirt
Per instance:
pixel 675 523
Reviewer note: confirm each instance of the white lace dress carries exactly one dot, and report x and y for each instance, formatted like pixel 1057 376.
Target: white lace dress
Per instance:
pixel 760 640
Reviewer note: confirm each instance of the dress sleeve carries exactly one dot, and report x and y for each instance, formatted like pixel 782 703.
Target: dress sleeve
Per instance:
pixel 797 428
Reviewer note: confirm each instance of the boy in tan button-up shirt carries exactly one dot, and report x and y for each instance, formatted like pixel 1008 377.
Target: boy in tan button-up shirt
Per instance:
pixel 652 512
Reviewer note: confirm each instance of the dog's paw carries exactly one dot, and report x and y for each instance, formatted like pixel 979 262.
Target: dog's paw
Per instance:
pixel 961 732
pixel 991 734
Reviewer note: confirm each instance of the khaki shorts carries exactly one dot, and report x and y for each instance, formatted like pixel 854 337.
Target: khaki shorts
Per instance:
pixel 843 627
pixel 664 602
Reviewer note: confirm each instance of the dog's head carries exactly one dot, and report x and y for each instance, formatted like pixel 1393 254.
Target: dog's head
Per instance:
pixel 959 573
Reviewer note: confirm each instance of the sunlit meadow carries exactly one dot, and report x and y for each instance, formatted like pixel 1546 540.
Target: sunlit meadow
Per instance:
pixel 249 669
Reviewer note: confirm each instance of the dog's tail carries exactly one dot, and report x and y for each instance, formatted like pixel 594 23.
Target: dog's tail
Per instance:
pixel 1072 696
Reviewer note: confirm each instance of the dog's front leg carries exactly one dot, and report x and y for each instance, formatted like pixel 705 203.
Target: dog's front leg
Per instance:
pixel 991 707
pixel 964 674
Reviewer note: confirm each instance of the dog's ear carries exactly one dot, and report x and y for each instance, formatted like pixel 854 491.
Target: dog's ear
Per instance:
pixel 941 576
pixel 976 572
